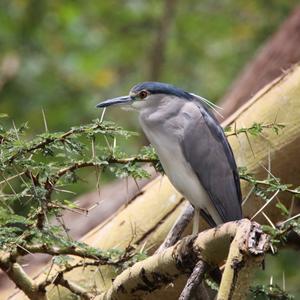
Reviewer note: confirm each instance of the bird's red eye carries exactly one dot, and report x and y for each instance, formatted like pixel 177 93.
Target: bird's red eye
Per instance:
pixel 143 94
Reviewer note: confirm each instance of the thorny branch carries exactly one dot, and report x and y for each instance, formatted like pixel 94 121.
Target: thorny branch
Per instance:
pixel 68 250
pixel 50 183
pixel 73 287
pixel 36 290
pixel 51 279
pixel 62 138
pixel 255 129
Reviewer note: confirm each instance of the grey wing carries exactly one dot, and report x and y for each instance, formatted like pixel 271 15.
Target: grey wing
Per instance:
pixel 207 150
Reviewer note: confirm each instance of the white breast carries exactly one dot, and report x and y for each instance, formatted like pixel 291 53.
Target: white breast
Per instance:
pixel 177 169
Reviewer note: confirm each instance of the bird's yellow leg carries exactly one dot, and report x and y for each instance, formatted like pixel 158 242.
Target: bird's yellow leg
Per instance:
pixel 196 220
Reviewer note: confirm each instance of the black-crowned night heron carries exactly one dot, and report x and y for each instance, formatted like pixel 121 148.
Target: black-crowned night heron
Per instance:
pixel 191 146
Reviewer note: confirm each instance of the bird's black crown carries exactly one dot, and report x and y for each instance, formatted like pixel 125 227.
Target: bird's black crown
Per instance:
pixel 161 88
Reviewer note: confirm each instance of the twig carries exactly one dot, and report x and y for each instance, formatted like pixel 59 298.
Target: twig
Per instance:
pixel 290 219
pixel 16 273
pixel 50 279
pixel 256 128
pixel 68 250
pixel 49 140
pixel 266 204
pixel 11 177
pixel 194 280
pixel 73 287
pixel 110 160
pixel 267 183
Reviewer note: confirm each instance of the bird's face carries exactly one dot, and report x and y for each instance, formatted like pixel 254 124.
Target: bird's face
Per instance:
pixel 148 94
pixel 137 99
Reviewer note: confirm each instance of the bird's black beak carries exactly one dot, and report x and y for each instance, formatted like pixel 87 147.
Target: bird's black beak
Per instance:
pixel 119 100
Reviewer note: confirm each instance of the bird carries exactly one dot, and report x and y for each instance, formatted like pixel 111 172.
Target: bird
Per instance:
pixel 191 146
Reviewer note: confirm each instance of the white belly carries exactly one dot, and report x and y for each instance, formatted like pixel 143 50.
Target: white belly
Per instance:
pixel 180 172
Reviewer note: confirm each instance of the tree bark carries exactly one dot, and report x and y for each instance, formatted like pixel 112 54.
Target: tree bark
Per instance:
pixel 209 247
pixel 278 54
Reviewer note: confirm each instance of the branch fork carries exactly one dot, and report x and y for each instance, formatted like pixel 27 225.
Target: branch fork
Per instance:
pixel 241 243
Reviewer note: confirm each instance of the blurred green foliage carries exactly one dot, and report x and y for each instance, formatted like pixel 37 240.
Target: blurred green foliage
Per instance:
pixel 281 270
pixel 65 56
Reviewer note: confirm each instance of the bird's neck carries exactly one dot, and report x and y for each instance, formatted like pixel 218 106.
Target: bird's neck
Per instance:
pixel 157 113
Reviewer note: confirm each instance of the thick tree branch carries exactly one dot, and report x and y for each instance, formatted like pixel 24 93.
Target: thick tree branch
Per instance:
pixel 16 273
pixel 210 246
pixel 245 255
pixel 37 289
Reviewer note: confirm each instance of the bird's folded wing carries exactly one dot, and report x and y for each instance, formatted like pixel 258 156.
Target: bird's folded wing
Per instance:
pixel 206 148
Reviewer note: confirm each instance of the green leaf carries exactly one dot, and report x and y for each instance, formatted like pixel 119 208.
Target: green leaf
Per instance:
pixel 282 207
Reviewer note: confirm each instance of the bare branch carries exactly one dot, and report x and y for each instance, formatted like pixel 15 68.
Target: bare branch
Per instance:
pixel 194 280
pixel 73 287
pixel 51 279
pixel 16 273
pixel 210 246
pixel 245 255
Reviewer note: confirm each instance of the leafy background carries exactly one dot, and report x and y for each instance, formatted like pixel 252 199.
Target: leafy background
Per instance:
pixel 65 56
